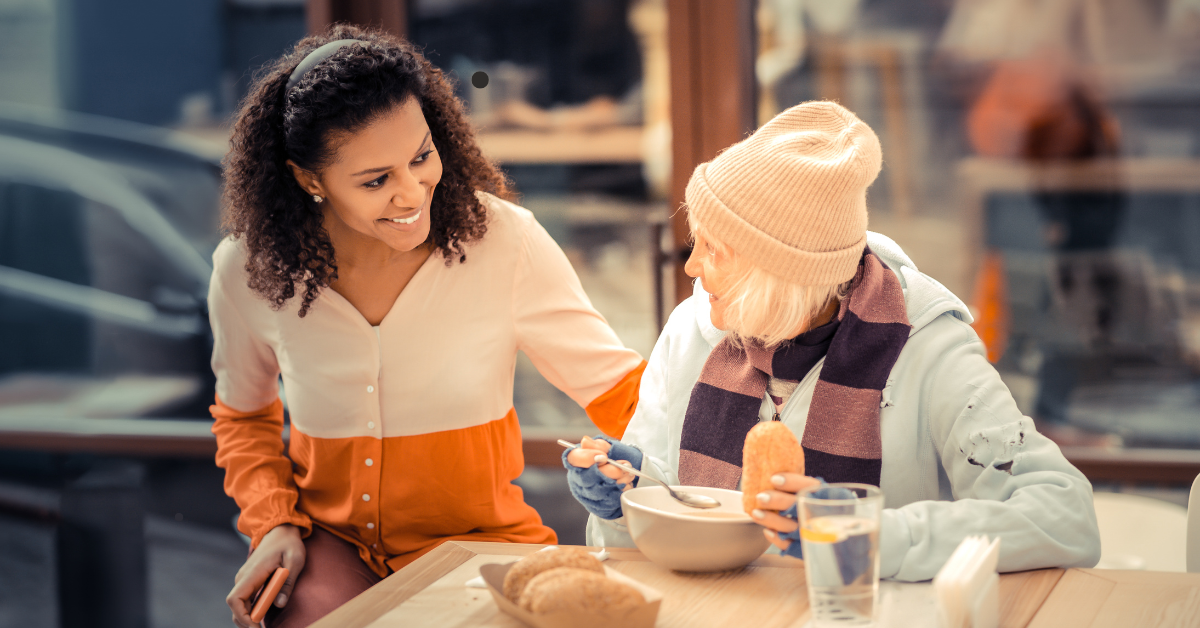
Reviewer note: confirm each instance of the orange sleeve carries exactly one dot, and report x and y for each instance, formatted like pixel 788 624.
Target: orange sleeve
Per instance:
pixel 612 410
pixel 258 476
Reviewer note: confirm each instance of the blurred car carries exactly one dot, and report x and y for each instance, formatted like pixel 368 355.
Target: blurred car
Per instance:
pixel 106 235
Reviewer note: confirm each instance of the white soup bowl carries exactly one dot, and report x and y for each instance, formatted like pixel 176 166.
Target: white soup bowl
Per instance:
pixel 689 539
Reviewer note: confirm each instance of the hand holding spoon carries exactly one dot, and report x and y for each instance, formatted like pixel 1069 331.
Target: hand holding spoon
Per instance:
pixel 692 500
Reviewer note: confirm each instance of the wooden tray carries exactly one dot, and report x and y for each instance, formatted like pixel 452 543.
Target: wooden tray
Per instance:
pixel 769 593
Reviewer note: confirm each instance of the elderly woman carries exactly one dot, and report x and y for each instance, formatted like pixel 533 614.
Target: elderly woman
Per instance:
pixel 801 315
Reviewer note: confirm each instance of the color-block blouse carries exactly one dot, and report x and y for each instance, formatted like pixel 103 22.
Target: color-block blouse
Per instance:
pixel 405 437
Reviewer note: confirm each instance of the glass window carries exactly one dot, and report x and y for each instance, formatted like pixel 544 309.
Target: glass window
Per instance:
pixel 109 196
pixel 575 110
pixel 97 317
pixel 1042 160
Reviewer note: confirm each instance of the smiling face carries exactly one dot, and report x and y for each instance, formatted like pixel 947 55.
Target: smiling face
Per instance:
pixel 712 265
pixel 381 182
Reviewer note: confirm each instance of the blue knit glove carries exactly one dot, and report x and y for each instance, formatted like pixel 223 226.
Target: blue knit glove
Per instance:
pixel 600 494
pixel 621 451
pixel 796 549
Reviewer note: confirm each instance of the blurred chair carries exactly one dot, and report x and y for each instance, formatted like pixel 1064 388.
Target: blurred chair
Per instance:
pixel 1193 528
pixel 1140 532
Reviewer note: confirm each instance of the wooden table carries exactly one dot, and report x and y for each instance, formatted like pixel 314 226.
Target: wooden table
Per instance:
pixel 770 593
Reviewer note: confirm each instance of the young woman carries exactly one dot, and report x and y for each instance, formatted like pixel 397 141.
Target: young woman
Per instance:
pixel 373 264
pixel 801 315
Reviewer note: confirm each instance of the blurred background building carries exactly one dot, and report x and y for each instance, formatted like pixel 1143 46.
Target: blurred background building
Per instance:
pixel 1041 159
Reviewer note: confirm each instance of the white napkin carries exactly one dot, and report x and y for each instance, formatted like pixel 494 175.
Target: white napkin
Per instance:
pixel 967 587
pixel 602 555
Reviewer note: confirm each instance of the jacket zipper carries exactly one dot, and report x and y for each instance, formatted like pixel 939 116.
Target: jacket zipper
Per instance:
pixel 792 398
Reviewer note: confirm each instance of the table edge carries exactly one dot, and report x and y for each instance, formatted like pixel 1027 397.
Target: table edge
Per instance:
pixel 367 607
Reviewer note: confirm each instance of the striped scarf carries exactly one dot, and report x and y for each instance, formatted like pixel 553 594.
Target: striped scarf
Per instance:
pixel 841 437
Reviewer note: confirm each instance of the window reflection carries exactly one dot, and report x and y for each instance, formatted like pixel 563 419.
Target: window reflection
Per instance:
pixel 109 199
pixel 101 297
pixel 576 112
pixel 1041 161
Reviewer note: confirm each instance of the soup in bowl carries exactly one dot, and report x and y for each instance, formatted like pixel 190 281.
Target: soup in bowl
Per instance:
pixel 689 539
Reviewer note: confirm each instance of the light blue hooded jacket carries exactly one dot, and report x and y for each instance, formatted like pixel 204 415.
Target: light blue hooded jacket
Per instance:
pixel 959 458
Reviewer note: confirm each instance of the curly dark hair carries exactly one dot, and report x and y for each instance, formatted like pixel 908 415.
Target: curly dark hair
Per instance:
pixel 281 224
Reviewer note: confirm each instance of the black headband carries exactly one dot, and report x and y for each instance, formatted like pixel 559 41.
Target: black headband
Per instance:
pixel 317 56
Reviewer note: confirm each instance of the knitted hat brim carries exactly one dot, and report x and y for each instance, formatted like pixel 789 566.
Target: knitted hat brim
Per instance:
pixel 808 268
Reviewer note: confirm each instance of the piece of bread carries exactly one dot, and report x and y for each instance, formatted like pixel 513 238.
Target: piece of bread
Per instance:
pixel 770 448
pixel 578 591
pixel 527 568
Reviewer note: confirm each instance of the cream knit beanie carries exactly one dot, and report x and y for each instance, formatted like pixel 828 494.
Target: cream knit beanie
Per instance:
pixel 792 197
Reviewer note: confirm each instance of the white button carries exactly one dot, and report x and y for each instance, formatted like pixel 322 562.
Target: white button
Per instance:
pixel 370 389
pixel 370 462
pixel 366 498
pixel 374 546
pixel 370 425
pixel 370 526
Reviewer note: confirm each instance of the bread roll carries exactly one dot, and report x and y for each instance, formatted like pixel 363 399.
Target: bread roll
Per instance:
pixel 527 568
pixel 770 448
pixel 578 591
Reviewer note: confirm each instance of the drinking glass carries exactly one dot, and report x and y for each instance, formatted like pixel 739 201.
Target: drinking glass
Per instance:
pixel 839 527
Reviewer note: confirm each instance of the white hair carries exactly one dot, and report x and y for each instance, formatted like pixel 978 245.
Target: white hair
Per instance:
pixel 762 306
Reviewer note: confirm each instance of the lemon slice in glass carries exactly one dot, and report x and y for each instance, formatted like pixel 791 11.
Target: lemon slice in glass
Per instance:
pixel 823 531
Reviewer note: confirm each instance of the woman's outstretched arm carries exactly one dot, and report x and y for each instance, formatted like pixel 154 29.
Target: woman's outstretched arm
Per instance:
pixel 568 341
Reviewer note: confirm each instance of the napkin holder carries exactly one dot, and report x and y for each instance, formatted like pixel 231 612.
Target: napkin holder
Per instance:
pixel 984 610
pixel 643 616
pixel 967 588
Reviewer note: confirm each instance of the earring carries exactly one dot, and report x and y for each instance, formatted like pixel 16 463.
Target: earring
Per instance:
pixel 317 199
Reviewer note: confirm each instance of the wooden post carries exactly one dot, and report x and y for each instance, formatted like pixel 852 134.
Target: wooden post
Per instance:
pixel 392 15
pixel 900 178
pixel 829 56
pixel 713 90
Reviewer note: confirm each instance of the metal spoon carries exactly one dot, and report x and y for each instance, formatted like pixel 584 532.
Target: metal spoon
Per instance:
pixel 687 499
